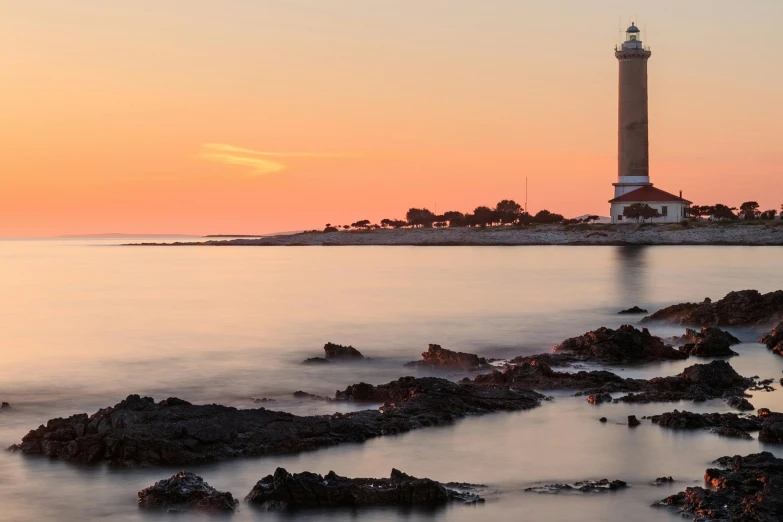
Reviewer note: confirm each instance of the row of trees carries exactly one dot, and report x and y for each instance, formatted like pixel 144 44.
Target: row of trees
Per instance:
pixel 506 212
pixel 749 210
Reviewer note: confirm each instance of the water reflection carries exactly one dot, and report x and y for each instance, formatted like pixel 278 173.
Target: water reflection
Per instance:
pixel 631 284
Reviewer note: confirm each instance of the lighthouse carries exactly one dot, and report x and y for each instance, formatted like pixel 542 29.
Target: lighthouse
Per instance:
pixel 633 144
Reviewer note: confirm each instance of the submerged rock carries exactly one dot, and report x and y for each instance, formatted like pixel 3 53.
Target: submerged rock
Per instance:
pixel 709 342
pixel 437 357
pixel 186 491
pixel 340 352
pixel 633 421
pixel 139 431
pixel 624 345
pixel 538 375
pixel 599 398
pixel 632 310
pixel 726 424
pixel 602 419
pixel 774 339
pixel 5 406
pixel 748 489
pixel 316 360
pixel 304 395
pixel 584 486
pixel 660 481
pixel 284 490
pixel 740 403
pixel 699 382
pixel 743 308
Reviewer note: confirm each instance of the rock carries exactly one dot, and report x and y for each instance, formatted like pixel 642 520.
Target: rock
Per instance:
pixel 584 486
pixel 743 308
pixel 699 382
pixel 5 406
pixel 748 489
pixel 774 339
pixel 538 375
pixel 316 360
pixel 709 342
pixel 599 398
pixel 740 403
pixel 262 400
pixel 633 421
pixel 662 480
pixel 624 345
pixel 304 395
pixel 726 424
pixel 602 419
pixel 339 352
pixel 186 491
pixel 437 357
pixel 632 310
pixel 140 432
pixel 284 491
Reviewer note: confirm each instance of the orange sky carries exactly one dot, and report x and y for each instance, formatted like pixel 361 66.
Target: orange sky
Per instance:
pixel 236 116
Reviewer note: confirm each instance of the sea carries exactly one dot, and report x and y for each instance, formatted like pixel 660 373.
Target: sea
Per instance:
pixel 86 322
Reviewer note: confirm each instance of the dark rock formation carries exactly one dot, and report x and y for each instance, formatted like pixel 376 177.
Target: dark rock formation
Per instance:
pixel 709 342
pixel 304 395
pixel 699 382
pixel 624 345
pixel 538 375
pixel 262 400
pixel 283 491
pixel 602 419
pixel 5 406
pixel 748 489
pixel 633 421
pixel 726 424
pixel 774 339
pixel 340 352
pixel 138 431
pixel 632 310
pixel 585 486
pixel 772 426
pixel 743 308
pixel 186 491
pixel 660 481
pixel 437 357
pixel 599 398
pixel 316 360
pixel 740 403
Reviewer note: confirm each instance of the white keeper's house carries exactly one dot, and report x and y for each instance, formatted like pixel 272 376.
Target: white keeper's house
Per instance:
pixel 633 176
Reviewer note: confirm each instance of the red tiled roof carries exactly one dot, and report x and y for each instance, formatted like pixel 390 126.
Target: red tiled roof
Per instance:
pixel 648 194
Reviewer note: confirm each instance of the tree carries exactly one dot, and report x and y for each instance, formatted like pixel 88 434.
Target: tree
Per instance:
pixel 330 228
pixel 545 216
pixel 640 212
pixel 455 219
pixel 769 214
pixel 364 223
pixel 508 211
pixel 346 227
pixel 483 216
pixel 750 210
pixel 420 217
pixel 591 217
pixel 720 212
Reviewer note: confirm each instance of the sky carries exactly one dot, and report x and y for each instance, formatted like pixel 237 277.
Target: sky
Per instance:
pixel 257 116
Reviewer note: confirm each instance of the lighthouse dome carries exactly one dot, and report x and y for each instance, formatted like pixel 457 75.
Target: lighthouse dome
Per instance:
pixel 633 29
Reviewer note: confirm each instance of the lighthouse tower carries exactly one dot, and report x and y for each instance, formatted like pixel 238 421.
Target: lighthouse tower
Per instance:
pixel 633 146
pixel 633 143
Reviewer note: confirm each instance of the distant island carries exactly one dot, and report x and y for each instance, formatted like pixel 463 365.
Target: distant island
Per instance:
pixel 747 233
pixel 117 235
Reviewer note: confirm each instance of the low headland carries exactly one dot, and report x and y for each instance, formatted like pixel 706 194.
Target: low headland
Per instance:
pixel 743 233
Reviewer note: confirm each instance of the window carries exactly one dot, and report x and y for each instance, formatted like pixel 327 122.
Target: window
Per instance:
pixel 664 211
pixel 620 217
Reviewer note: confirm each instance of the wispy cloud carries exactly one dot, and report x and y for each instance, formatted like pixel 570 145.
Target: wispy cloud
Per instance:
pixel 259 162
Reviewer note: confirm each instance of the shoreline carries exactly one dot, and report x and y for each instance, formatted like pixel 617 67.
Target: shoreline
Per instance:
pixel 694 234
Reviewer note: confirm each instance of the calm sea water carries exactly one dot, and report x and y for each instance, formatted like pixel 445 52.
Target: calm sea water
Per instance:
pixel 84 323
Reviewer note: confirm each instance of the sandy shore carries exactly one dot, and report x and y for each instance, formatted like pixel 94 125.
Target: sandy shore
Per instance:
pixel 765 234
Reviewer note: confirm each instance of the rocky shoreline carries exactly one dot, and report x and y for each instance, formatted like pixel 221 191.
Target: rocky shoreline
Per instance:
pixel 141 432
pixel 734 233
